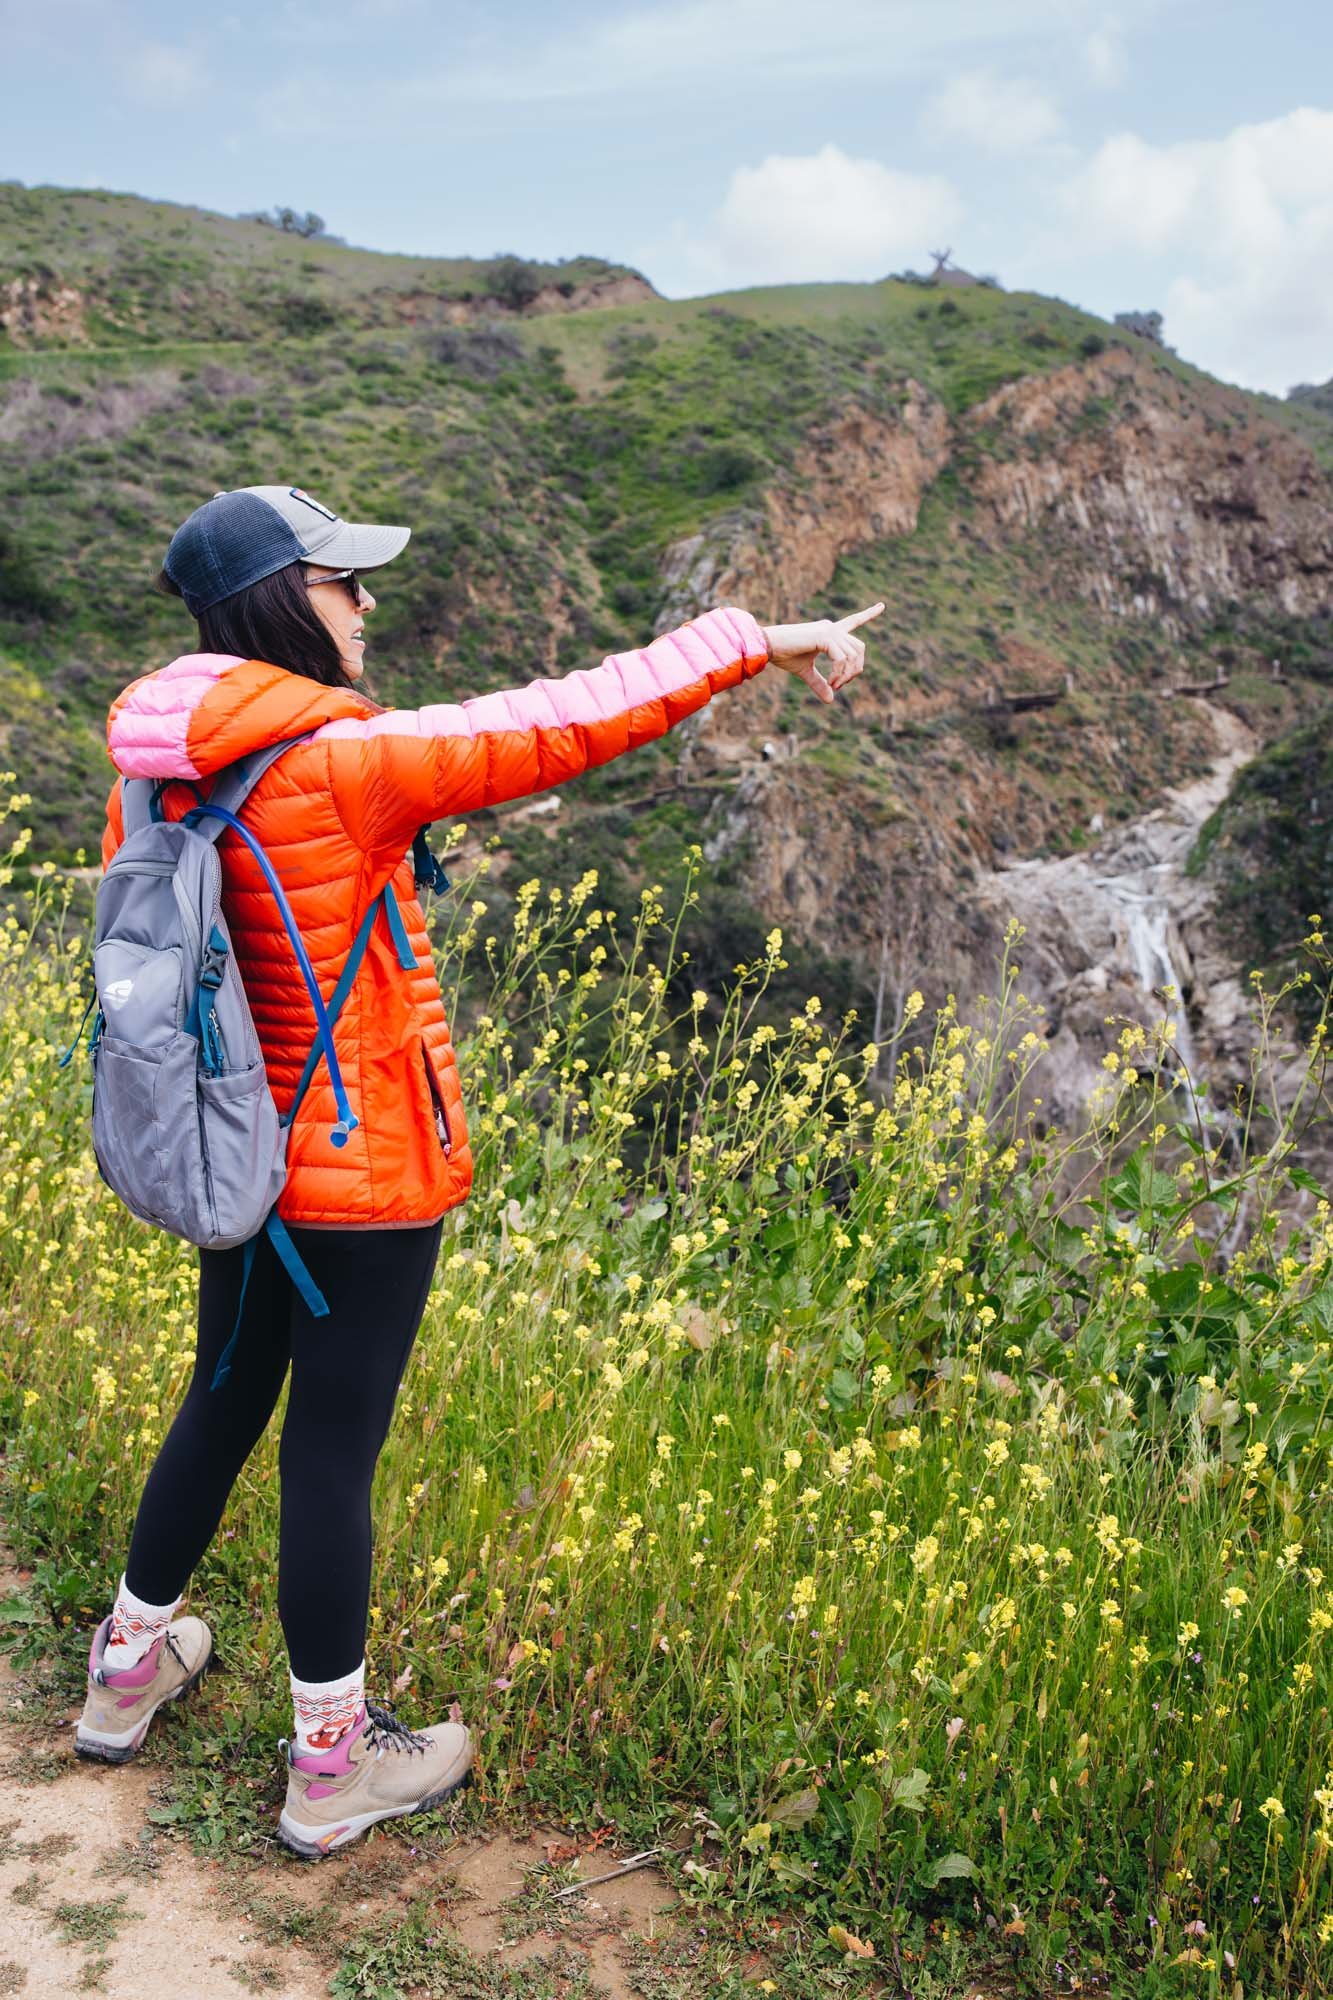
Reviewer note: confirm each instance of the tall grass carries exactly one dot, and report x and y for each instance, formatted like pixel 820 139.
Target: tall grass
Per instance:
pixel 920 1509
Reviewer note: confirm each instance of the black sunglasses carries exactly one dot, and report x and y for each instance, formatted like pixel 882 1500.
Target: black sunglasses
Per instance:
pixel 346 577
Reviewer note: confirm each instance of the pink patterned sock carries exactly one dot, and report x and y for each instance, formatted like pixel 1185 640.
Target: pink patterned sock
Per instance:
pixel 135 1627
pixel 326 1710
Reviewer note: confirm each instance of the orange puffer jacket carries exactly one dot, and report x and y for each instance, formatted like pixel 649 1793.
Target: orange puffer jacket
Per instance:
pixel 337 815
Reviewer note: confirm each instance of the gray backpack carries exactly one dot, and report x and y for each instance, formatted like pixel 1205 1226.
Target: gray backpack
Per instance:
pixel 184 1126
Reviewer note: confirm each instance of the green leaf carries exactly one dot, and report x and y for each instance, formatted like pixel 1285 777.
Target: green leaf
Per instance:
pixel 835 1813
pixel 1140 1187
pixel 865 1809
pixel 842 1389
pixel 1319 1306
pixel 949 1868
pixel 20 1610
pixel 1175 1291
pixel 909 1791
pixel 784 1868
pixel 795 1809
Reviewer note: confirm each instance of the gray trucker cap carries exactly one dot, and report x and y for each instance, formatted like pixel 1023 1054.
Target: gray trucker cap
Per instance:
pixel 236 538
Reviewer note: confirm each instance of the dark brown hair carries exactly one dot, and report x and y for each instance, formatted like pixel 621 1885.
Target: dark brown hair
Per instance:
pixel 272 620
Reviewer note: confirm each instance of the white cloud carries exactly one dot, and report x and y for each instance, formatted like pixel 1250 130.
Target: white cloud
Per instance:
pixel 1104 56
pixel 1135 194
pixel 158 72
pixel 996 113
pixel 1243 229
pixel 804 218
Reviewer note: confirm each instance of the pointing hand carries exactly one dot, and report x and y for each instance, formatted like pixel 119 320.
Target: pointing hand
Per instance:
pixel 796 647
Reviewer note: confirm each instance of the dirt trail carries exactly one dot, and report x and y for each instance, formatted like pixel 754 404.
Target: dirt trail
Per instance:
pixel 93 1899
pixel 158 1929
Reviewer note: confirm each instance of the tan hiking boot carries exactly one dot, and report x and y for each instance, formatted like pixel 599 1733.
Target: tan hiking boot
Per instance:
pixel 119 1707
pixel 380 1770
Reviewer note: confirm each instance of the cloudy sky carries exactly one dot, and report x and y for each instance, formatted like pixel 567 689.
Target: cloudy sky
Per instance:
pixel 1175 154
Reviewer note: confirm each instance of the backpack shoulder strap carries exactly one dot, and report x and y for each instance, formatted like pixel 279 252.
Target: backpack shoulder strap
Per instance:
pixel 138 805
pixel 140 798
pixel 233 786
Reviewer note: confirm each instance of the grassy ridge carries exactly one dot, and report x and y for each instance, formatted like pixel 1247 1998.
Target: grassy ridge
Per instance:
pixel 149 270
pixel 961 1548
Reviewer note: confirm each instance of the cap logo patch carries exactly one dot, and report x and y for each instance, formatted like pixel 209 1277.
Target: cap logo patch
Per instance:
pixel 299 493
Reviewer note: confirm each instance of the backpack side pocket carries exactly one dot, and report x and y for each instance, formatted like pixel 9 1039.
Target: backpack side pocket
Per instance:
pixel 244 1151
pixel 146 1152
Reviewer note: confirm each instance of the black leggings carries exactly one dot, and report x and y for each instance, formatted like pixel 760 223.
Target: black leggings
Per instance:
pixel 345 1375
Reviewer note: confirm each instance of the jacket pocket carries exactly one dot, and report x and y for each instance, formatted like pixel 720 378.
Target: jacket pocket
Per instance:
pixel 443 1123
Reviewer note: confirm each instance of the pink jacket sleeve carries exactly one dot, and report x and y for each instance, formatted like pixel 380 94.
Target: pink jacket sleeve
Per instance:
pixel 394 772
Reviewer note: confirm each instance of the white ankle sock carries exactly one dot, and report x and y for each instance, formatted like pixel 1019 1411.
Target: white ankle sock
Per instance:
pixel 325 1711
pixel 135 1626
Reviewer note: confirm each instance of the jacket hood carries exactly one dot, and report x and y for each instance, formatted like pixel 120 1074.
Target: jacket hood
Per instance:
pixel 206 710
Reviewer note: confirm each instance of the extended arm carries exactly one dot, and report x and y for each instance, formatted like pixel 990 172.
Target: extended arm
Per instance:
pixel 392 773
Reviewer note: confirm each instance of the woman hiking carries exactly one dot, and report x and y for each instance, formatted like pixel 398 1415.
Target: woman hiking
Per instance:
pixel 275 583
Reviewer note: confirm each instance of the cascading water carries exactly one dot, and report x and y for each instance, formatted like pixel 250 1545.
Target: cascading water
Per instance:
pixel 1104 936
pixel 1158 960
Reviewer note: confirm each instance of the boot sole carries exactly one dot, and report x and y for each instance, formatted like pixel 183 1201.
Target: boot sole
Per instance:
pixel 95 1752
pixel 352 1829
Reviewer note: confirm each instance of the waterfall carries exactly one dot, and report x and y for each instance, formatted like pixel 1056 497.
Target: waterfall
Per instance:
pixel 1104 935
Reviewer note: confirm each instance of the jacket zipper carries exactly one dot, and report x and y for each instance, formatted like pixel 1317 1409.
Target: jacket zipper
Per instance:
pixel 437 1100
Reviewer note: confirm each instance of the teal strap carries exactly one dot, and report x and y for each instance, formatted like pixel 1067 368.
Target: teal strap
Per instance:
pixel 398 929
pixel 426 870
pixel 334 1008
pixel 312 1297
pixel 223 1369
pixel 65 1059
pixel 211 1042
pixel 287 1252
pixel 294 1265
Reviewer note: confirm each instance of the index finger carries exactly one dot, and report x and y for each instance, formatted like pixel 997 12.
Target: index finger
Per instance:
pixel 855 618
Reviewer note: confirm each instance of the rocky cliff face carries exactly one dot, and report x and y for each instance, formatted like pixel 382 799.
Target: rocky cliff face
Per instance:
pixel 859 479
pixel 1175 502
pixel 1167 501
pixel 1157 507
pixel 1124 931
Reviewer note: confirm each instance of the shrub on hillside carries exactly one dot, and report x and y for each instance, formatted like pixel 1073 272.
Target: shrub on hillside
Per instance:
pixel 513 281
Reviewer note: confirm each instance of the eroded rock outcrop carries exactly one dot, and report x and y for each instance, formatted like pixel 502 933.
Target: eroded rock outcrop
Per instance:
pixel 1124 932
pixel 859 479
pixel 41 308
pixel 432 309
pixel 1177 497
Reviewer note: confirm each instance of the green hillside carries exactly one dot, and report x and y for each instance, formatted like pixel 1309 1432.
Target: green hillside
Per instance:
pixel 544 464
pixel 149 271
pixel 1316 397
pixel 548 462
